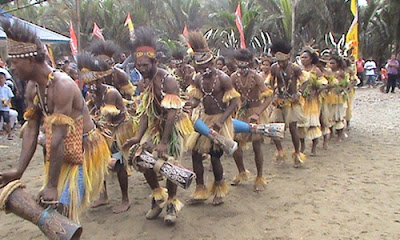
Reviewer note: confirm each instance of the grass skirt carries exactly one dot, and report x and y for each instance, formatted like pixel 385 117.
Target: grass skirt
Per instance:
pixel 288 114
pixel 202 144
pixel 96 156
pixel 243 115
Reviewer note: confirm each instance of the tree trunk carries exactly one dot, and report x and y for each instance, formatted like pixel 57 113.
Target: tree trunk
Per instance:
pixel 293 35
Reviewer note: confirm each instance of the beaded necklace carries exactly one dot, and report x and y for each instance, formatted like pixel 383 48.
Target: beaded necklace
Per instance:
pixel 241 87
pixel 43 103
pixel 286 83
pixel 210 94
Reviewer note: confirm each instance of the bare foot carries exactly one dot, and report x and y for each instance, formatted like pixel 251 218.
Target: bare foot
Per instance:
pixel 217 201
pixel 235 182
pixel 192 201
pixel 313 154
pixel 279 158
pixel 99 202
pixel 278 161
pixel 258 187
pixel 325 146
pixel 297 163
pixel 122 207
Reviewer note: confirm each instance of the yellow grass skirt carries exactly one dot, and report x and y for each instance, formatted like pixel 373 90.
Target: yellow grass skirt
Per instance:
pixel 96 156
pixel 243 115
pixel 288 114
pixel 202 144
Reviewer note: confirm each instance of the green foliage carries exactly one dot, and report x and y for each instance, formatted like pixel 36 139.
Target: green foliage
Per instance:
pixel 314 19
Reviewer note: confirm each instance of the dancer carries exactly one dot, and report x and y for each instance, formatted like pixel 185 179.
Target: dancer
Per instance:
pixel 162 122
pixel 285 77
pixel 214 89
pixel 76 152
pixel 255 98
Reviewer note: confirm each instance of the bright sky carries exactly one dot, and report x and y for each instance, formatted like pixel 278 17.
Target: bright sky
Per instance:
pixel 362 2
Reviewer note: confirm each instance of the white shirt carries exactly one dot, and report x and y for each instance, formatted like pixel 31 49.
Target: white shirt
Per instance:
pixel 370 67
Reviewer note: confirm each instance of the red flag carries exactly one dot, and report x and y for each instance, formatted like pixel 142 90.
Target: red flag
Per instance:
pixel 185 33
pixel 97 32
pixel 239 25
pixel 73 44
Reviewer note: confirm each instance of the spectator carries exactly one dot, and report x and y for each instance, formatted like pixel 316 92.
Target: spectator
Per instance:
pixel 135 78
pixel 370 67
pixel 360 70
pixel 398 71
pixel 220 63
pixel 5 97
pixel 121 58
pixel 392 70
pixel 18 90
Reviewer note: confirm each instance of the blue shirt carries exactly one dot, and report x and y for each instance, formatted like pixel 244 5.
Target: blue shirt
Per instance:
pixel 135 78
pixel 5 96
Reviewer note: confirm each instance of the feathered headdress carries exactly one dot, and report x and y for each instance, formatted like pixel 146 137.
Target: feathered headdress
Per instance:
pixel 22 41
pixel 144 43
pixel 281 50
pixel 178 56
pixel 108 48
pixel 92 68
pixel 202 53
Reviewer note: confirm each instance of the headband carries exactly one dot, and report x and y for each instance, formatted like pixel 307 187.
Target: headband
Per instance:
pixel 90 76
pixel 203 57
pixel 280 56
pixel 145 51
pixel 21 49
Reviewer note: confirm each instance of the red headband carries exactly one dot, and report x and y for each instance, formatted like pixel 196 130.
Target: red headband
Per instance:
pixel 146 49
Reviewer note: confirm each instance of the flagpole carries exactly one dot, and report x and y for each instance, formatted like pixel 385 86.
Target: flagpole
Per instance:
pixel 78 29
pixel 78 23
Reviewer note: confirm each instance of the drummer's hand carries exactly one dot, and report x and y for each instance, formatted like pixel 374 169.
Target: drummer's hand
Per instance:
pixel 48 197
pixel 296 98
pixel 128 144
pixel 161 149
pixel 253 118
pixel 9 176
pixel 216 126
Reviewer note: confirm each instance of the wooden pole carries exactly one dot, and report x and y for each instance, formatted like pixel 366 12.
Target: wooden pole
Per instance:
pixel 78 32
pixel 294 4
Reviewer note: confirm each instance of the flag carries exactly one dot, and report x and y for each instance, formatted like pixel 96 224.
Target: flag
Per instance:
pixel 129 23
pixel 239 25
pixel 97 32
pixel 185 30
pixel 352 34
pixel 353 7
pixel 185 33
pixel 73 44
pixel 49 53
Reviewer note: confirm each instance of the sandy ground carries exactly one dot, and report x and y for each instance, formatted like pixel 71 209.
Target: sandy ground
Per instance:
pixel 350 191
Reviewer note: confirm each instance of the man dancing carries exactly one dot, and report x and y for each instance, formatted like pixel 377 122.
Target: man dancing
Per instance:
pixel 215 90
pixel 183 72
pixel 119 79
pixel 255 98
pixel 107 108
pixel 162 122
pixel 77 153
pixel 285 77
